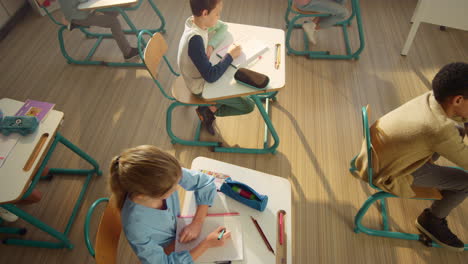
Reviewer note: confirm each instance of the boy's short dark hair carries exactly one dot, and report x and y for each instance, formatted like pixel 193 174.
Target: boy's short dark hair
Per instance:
pixel 451 80
pixel 198 6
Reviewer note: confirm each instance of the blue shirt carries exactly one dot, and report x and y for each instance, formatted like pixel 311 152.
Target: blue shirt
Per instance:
pixel 150 230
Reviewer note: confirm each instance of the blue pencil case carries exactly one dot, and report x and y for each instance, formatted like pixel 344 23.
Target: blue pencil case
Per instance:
pixel 259 203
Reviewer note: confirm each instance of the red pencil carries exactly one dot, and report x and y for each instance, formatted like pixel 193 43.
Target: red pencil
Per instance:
pixel 262 235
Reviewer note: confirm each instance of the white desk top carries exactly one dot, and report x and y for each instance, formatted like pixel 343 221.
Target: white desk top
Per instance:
pixel 13 179
pixel 226 86
pixel 99 4
pixel 279 194
pixel 451 13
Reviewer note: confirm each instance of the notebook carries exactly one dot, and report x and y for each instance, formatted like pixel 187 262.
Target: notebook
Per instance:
pixel 251 49
pixel 233 249
pixel 35 108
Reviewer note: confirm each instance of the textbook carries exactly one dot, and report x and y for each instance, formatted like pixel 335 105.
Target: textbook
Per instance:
pixel 251 49
pixel 35 108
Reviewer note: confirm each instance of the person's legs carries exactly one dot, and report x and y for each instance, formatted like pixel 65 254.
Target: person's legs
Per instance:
pixel 334 7
pixel 108 20
pixel 227 107
pixel 453 185
pixel 452 182
pixel 234 106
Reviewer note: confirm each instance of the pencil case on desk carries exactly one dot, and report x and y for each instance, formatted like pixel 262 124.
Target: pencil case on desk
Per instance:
pixel 259 201
pixel 251 78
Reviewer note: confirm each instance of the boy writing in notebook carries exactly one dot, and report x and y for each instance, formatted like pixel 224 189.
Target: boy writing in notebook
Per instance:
pixel 195 49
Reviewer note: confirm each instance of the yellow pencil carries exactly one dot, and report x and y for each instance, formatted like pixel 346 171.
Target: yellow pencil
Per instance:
pixel 278 56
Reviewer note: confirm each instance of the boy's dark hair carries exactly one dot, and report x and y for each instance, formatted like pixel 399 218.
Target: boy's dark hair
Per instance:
pixel 198 6
pixel 451 80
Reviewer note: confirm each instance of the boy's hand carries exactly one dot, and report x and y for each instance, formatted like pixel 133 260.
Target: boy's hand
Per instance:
pixel 235 50
pixel 209 51
pixel 190 232
pixel 212 241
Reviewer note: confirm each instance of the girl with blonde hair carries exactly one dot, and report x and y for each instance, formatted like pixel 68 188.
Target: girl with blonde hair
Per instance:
pixel 144 183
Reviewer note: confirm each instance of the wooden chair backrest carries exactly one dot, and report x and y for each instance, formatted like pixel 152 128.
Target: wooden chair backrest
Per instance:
pixel 154 52
pixel 108 235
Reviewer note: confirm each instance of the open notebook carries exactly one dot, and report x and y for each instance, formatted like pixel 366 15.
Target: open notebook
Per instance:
pixel 251 50
pixel 233 249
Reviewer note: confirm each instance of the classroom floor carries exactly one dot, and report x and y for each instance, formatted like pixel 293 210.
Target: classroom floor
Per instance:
pixel 317 117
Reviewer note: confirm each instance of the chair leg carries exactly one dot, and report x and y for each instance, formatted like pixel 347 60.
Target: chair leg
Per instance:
pixel 175 139
pixel 384 211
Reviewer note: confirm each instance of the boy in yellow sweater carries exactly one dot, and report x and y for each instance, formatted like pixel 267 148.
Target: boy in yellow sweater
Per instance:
pixel 407 140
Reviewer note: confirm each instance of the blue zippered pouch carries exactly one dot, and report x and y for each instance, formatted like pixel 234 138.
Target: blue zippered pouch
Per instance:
pixel 259 202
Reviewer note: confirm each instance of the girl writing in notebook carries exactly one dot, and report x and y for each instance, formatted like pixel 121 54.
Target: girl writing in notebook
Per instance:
pixel 144 182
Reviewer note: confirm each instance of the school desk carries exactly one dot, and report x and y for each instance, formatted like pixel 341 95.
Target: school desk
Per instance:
pixel 22 170
pixel 279 198
pixel 226 87
pixel 449 13
pixel 100 4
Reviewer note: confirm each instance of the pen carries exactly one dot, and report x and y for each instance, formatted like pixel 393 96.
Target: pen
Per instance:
pixel 221 234
pixel 259 229
pixel 281 224
pixel 278 56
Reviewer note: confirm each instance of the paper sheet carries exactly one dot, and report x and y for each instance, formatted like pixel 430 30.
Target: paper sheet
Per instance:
pixel 7 143
pixel 233 249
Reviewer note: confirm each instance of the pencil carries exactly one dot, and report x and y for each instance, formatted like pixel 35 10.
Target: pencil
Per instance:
pixel 278 56
pixel 259 229
pixel 221 234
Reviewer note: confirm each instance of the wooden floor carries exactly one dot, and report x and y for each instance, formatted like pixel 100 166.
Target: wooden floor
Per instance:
pixel 317 117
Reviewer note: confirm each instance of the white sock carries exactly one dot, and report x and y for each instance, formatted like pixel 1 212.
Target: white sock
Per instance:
pixel 310 31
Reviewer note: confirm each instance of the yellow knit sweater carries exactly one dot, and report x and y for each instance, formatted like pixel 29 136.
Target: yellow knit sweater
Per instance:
pixel 406 138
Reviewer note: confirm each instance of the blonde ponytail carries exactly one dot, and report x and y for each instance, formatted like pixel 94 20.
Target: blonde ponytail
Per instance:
pixel 118 191
pixel 143 170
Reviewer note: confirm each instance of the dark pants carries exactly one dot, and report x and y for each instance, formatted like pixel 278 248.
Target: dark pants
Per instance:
pixel 108 20
pixel 452 183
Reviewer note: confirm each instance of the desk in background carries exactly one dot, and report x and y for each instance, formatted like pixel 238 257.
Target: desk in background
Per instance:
pixel 100 4
pixel 226 86
pixel 22 170
pixel 449 13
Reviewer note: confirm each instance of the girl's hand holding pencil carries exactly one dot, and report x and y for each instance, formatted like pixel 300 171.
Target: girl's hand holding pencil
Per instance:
pixel 212 240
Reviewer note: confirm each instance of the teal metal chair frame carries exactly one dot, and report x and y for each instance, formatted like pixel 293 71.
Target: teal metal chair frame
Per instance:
pixel 100 36
pixel 89 215
pixel 381 196
pixel 350 54
pixel 64 242
pixel 216 146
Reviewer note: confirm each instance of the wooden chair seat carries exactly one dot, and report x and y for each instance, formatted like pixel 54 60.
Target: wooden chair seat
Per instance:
pixel 295 9
pixel 184 95
pixel 427 193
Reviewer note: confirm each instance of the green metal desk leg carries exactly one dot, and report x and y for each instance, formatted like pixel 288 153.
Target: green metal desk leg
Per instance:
pixel 62 237
pixel 37 223
pixel 266 118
